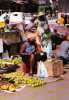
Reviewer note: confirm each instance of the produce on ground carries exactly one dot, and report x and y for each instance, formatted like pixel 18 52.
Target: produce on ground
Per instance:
pixel 18 78
pixel 7 86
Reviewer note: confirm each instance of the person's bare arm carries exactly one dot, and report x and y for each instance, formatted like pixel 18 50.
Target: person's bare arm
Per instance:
pixel 22 48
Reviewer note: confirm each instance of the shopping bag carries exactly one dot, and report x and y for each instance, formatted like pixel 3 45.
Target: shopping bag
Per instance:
pixel 42 71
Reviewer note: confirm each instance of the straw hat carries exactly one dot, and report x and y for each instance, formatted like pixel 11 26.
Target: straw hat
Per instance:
pixel 34 15
pixel 40 14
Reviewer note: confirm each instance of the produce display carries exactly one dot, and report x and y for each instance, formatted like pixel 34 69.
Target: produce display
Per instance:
pixel 11 81
pixel 34 81
pixel 7 86
pixel 4 62
pixel 18 78
pixel 14 77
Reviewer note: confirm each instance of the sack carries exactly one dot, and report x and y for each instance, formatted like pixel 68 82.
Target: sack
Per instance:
pixel 42 71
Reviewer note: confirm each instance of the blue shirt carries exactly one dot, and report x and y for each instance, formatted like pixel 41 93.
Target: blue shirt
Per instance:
pixel 29 48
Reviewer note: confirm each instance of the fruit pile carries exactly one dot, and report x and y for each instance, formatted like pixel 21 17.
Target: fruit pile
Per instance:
pixel 7 86
pixel 16 60
pixel 18 78
pixel 14 77
pixel 34 81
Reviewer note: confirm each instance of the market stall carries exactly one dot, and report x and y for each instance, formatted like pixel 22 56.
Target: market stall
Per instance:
pixel 61 29
pixel 12 77
pixel 11 37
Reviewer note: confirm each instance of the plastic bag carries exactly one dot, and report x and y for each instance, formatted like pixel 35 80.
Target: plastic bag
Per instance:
pixel 42 71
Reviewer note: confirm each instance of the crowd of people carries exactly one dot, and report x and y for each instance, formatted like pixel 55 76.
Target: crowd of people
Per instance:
pixel 45 42
pixel 38 43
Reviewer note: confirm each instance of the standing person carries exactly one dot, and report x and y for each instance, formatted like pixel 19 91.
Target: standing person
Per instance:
pixel 31 50
pixel 28 48
pixel 27 51
pixel 41 22
pixel 6 44
pixel 44 32
pixel 42 25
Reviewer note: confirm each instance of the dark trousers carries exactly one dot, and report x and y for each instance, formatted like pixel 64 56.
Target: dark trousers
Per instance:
pixel 0 55
pixel 33 64
pixel 7 47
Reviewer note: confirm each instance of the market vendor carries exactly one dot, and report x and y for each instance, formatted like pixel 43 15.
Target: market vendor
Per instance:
pixel 32 53
pixel 31 50
pixel 27 51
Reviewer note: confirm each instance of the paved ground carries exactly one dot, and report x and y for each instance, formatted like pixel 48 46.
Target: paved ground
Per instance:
pixel 58 90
